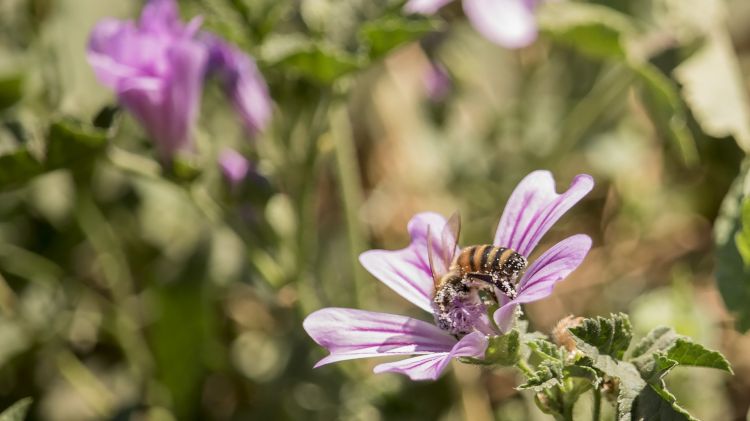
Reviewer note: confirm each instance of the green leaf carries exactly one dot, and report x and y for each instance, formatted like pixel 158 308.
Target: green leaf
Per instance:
pixel 11 90
pixel 659 339
pixel 594 30
pixel 713 87
pixel 387 33
pixel 686 352
pixel 657 404
pixel 318 61
pixel 548 374
pixel 17 411
pixel 72 144
pixel 504 350
pixel 661 96
pixel 732 274
pixel 543 349
pixel 18 167
pixel 610 336
pixel 742 238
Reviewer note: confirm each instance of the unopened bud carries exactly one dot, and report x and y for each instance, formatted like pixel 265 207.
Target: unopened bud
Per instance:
pixel 561 334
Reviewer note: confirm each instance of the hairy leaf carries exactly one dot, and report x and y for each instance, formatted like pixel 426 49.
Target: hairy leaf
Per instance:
pixel 689 353
pixel 657 404
pixel 548 374
pixel 504 350
pixel 610 336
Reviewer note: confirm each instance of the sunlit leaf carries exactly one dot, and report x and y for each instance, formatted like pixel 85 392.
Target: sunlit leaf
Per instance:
pixel 713 86
pixel 17 411
pixel 685 352
pixel 594 30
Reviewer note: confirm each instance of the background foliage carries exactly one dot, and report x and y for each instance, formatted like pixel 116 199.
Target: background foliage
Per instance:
pixel 128 291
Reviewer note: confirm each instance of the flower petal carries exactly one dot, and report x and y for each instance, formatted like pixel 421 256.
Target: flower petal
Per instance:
pixel 350 334
pixel 424 7
pixel 534 207
pixel 407 271
pixel 540 279
pixel 242 82
pixel 551 267
pixel 509 23
pixel 160 16
pixel 234 166
pixel 431 366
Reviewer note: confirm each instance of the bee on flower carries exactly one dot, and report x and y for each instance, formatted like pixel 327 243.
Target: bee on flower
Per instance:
pixel 452 284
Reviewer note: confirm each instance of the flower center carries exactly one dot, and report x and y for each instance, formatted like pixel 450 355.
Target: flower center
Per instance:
pixel 458 307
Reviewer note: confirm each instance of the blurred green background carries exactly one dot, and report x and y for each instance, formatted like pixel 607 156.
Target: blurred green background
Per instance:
pixel 128 292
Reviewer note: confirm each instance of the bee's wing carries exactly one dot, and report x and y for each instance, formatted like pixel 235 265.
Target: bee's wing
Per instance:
pixel 441 255
pixel 449 238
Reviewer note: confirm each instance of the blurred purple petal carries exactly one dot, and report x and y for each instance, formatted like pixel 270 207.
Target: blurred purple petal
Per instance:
pixel 407 271
pixel 234 166
pixel 509 23
pixel 431 366
pixel 504 316
pixel 242 82
pixel 350 334
pixel 425 7
pixel 437 82
pixel 534 207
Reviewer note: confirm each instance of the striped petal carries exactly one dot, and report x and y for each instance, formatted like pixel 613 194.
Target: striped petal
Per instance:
pixel 534 207
pixel 351 334
pixel 431 366
pixel 407 271
pixel 540 279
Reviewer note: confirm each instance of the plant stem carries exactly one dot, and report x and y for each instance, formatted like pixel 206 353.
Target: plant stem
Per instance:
pixel 597 405
pixel 351 193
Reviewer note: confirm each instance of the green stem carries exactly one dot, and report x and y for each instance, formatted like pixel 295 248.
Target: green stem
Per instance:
pixel 597 405
pixel 351 194
pixel 524 367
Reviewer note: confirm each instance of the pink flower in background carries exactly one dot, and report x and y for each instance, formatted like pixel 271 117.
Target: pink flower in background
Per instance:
pixel 437 82
pixel 157 67
pixel 531 211
pixel 234 166
pixel 509 23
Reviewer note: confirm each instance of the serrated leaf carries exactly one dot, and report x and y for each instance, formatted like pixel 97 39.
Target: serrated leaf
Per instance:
pixel 686 352
pixel 594 30
pixel 385 34
pixel 657 404
pixel 610 336
pixel 548 374
pixel 17 411
pixel 732 274
pixel 655 367
pixel 659 339
pixel 542 349
pixel 713 87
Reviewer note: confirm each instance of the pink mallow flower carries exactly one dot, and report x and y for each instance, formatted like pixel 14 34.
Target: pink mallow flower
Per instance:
pixel 509 23
pixel 157 67
pixel 234 166
pixel 530 212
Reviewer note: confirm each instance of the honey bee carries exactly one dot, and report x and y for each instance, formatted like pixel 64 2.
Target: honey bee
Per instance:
pixel 474 268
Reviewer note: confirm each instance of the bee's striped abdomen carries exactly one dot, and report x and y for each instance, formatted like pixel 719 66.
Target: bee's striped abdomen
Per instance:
pixel 488 259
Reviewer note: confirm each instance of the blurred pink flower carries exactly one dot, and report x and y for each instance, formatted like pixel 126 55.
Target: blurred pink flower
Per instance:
pixel 234 166
pixel 157 67
pixel 437 82
pixel 509 23
pixel 531 211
